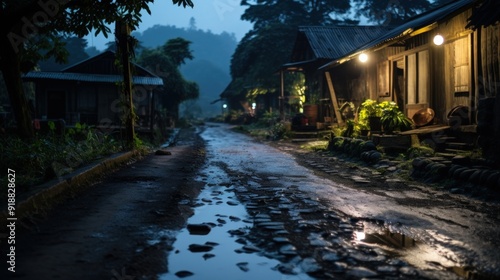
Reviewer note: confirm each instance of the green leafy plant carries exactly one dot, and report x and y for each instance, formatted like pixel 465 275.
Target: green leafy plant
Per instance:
pixel 393 119
pixel 52 126
pixel 349 129
pixel 369 110
pixel 278 131
pixel 46 156
pixel 268 118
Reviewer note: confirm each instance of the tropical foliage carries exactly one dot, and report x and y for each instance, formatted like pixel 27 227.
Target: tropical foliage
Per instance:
pixel 369 109
pixel 393 119
pixel 165 61
pixel 51 155
pixel 389 12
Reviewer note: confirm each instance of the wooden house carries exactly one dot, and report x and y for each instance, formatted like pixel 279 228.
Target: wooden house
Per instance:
pixel 406 66
pixel 89 92
pixel 410 66
pixel 314 47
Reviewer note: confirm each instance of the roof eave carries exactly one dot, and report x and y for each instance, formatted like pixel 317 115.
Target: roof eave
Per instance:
pixel 92 78
pixel 408 33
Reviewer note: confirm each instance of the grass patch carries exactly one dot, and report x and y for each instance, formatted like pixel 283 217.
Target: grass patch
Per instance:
pixel 319 145
pixel 264 131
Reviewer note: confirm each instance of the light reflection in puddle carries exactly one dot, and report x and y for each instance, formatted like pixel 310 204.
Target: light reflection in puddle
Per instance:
pixel 222 262
pixel 414 252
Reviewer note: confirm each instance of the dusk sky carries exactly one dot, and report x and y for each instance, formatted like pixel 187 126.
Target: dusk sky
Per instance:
pixel 214 15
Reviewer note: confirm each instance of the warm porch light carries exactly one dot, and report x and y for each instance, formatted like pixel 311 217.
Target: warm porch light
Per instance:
pixel 363 57
pixel 438 40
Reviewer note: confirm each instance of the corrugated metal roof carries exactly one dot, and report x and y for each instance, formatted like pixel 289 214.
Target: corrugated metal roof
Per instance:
pixel 336 41
pixel 427 19
pixel 486 13
pixel 94 78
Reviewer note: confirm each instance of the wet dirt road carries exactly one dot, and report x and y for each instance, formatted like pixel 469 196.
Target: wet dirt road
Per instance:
pixel 354 223
pixel 262 212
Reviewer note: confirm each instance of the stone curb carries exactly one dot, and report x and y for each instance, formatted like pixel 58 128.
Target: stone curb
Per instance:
pixel 48 194
pixel 432 169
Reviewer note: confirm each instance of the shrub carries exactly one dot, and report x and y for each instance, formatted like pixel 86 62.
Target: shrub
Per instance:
pixel 278 131
pixel 46 156
pixel 393 119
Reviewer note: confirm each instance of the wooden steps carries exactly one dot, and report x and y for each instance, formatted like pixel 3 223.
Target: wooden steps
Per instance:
pixel 308 133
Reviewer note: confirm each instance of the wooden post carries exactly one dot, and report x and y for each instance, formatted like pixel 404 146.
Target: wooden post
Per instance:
pixel 122 31
pixel 282 95
pixel 333 97
pixel 151 110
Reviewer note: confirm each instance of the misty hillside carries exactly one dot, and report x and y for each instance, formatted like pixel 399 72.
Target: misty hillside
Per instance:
pixel 211 80
pixel 210 66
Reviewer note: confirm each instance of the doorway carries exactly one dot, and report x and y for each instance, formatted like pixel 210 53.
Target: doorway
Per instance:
pixel 398 82
pixel 56 104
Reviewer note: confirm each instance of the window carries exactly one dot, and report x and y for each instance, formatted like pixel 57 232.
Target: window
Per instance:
pixel 461 65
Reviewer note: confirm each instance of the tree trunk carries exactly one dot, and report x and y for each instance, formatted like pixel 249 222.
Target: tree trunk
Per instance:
pixel 123 33
pixel 11 70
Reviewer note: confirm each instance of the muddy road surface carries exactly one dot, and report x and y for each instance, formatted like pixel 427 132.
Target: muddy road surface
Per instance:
pixel 224 206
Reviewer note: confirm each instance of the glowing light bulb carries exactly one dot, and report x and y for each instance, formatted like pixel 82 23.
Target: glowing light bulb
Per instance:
pixel 363 57
pixel 438 40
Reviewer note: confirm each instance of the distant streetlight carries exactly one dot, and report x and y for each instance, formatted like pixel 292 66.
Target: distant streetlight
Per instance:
pixel 363 57
pixel 438 40
pixel 224 107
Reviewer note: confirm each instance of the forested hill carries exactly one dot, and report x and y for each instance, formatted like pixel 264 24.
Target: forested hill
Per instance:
pixel 216 48
pixel 210 66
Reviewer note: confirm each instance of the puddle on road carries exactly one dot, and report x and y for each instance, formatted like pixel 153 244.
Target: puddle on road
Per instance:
pixel 223 255
pixel 415 252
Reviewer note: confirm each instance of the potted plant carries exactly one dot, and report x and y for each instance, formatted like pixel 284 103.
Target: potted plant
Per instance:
pixel 393 119
pixel 370 115
pixel 310 108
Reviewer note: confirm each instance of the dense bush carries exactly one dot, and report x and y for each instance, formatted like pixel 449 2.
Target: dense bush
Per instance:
pixel 50 155
pixel 278 131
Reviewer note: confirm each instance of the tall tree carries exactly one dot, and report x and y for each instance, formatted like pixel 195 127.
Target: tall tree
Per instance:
pixel 268 45
pixel 176 89
pixel 178 50
pixel 28 25
pixel 192 24
pixel 260 54
pixel 297 12
pixel 390 12
pixel 76 52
